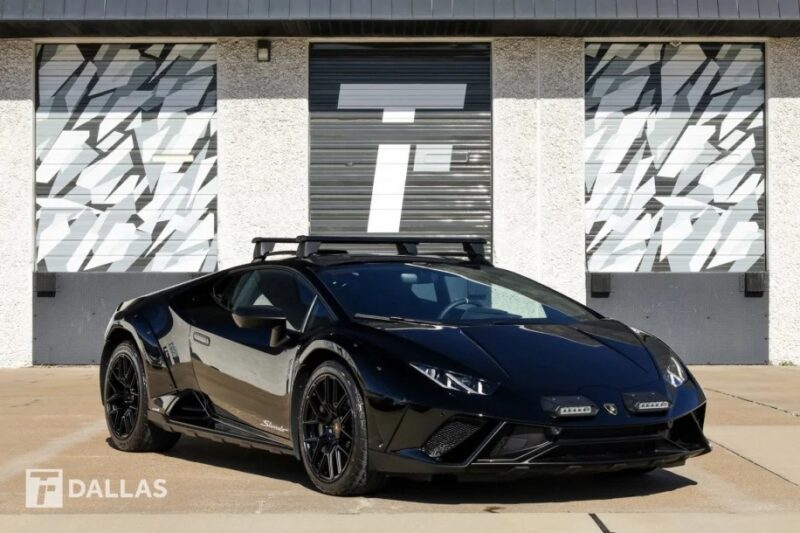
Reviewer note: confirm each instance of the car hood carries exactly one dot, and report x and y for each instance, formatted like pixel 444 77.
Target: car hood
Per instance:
pixel 548 359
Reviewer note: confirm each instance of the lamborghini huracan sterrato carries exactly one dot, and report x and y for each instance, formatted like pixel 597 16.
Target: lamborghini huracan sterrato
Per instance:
pixel 368 365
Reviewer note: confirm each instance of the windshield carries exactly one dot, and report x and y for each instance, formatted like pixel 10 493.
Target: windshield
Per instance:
pixel 451 294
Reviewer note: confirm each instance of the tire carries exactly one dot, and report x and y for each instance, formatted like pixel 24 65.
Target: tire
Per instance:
pixel 125 404
pixel 333 446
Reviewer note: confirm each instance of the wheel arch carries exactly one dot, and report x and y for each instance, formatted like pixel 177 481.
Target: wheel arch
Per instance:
pixel 316 354
pixel 138 332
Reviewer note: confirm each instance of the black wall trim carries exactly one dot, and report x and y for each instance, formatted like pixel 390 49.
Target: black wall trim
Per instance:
pixel 242 10
pixel 366 27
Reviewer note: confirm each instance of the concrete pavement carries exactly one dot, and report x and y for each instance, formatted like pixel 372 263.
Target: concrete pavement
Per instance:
pixel 52 418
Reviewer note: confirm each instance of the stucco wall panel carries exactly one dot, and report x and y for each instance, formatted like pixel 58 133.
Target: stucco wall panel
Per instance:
pixel 515 85
pixel 537 154
pixel 263 137
pixel 16 209
pixel 561 133
pixel 783 190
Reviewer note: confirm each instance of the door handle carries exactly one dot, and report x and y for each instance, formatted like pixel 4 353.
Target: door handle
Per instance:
pixel 202 339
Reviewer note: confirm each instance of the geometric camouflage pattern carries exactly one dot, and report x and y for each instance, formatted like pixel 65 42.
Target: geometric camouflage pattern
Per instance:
pixel 126 157
pixel 675 163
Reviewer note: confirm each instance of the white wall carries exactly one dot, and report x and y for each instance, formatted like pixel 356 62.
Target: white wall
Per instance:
pixel 16 207
pixel 263 145
pixel 783 191
pixel 538 160
pixel 515 155
pixel 537 157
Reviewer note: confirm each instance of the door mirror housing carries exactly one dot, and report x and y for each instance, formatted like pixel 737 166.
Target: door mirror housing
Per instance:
pixel 259 316
pixel 263 316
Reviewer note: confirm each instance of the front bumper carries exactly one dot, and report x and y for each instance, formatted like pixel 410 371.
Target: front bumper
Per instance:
pixel 465 447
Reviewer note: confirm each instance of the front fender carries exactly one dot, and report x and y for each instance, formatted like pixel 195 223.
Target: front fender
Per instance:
pixel 373 372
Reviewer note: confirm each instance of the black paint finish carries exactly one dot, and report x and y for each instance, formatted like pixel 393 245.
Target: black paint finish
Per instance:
pixel 400 9
pixel 19 18
pixel 247 388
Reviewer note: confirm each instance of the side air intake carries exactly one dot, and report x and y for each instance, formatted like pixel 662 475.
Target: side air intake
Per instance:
pixel 449 436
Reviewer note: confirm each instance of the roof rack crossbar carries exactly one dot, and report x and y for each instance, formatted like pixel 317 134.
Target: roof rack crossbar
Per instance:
pixel 307 245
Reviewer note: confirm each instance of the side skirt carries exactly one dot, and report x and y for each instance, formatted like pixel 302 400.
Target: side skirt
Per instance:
pixel 230 435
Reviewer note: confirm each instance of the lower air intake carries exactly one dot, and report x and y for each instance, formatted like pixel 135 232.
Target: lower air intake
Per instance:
pixel 449 436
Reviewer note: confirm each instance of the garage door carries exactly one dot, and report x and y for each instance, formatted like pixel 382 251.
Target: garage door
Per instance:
pixel 674 152
pixel 400 139
pixel 126 157
pixel 675 193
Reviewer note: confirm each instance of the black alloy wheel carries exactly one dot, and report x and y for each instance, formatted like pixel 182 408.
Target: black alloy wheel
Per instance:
pixel 122 396
pixel 125 396
pixel 328 427
pixel 331 435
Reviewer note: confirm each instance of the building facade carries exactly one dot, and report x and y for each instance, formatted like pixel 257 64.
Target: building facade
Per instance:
pixel 637 155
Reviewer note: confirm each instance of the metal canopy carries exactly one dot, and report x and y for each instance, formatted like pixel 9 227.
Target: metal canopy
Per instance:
pixel 71 18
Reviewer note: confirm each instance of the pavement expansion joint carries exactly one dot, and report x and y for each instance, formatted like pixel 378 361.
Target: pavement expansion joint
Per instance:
pixel 734 452
pixel 599 523
pixel 728 394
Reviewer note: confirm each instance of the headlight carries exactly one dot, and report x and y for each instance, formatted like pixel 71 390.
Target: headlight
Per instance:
pixel 455 381
pixel 671 367
pixel 674 373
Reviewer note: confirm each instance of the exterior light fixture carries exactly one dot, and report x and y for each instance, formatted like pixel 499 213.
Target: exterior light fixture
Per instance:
pixel 263 51
pixel 568 406
pixel 455 381
pixel 646 402
pixel 652 406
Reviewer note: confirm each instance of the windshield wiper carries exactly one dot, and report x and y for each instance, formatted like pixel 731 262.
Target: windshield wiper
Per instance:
pixel 407 320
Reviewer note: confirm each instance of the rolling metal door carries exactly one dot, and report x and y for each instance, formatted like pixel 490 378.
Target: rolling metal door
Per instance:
pixel 400 139
pixel 126 157
pixel 674 151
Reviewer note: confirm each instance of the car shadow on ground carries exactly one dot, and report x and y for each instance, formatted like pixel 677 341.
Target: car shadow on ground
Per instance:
pixel 246 460
pixel 535 489
pixel 538 489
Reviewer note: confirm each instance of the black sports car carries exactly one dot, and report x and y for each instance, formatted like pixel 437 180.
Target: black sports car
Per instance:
pixel 370 365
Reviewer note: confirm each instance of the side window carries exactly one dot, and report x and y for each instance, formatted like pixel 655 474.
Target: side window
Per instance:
pixel 222 291
pixel 273 287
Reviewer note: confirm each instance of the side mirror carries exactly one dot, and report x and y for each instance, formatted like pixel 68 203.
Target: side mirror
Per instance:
pixel 261 316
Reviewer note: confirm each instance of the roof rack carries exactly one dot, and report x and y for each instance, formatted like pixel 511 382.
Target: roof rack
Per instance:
pixel 308 245
pixel 265 246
